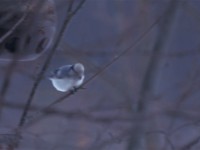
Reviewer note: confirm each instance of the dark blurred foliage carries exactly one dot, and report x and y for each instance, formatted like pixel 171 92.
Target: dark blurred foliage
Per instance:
pixel 142 75
pixel 27 29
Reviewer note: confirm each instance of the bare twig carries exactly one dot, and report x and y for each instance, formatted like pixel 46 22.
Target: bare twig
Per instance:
pixel 140 38
pixel 166 137
pixel 150 78
pixel 111 62
pixel 5 36
pixel 71 2
pixel 12 64
pixel 81 114
pixel 191 144
pixel 6 81
pixel 47 62
pixel 72 13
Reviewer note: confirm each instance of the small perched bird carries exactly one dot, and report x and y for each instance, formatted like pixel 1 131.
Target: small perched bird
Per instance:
pixel 68 77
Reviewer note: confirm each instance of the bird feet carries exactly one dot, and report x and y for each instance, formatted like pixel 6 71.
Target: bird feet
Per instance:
pixel 73 90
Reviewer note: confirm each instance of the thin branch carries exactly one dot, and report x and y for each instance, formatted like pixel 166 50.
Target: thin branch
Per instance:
pixel 47 62
pixel 7 34
pixel 71 2
pixel 77 8
pixel 189 145
pixel 149 78
pixel 12 64
pixel 154 62
pixel 111 62
pixel 166 137
pixel 6 81
pixel 140 38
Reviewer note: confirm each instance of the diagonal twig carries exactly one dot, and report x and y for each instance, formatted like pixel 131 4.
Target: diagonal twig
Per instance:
pixel 47 62
pixel 7 34
pixel 139 39
pixel 112 61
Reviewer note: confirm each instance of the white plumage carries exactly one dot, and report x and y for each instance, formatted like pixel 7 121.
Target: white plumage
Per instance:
pixel 67 77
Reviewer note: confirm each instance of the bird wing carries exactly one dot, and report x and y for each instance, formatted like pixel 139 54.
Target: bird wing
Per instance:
pixel 66 72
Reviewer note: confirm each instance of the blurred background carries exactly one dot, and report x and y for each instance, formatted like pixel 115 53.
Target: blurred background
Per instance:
pixel 142 73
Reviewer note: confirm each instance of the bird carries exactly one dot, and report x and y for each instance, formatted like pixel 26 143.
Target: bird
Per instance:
pixel 68 77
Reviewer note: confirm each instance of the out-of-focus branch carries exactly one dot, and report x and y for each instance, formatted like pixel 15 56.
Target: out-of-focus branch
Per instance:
pixel 5 36
pixel 12 64
pixel 117 57
pixel 140 38
pixel 47 61
pixel 149 76
pixel 166 137
pixel 191 144
pixel 149 79
pixel 77 114
pixel 6 81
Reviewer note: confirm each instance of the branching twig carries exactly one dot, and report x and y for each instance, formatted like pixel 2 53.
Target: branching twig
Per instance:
pixel 166 137
pixel 7 34
pixel 6 81
pixel 110 63
pixel 12 65
pixel 140 38
pixel 150 77
pixel 47 62
pixel 191 144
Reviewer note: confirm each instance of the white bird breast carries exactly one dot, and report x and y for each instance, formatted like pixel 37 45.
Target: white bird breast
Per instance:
pixel 66 84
